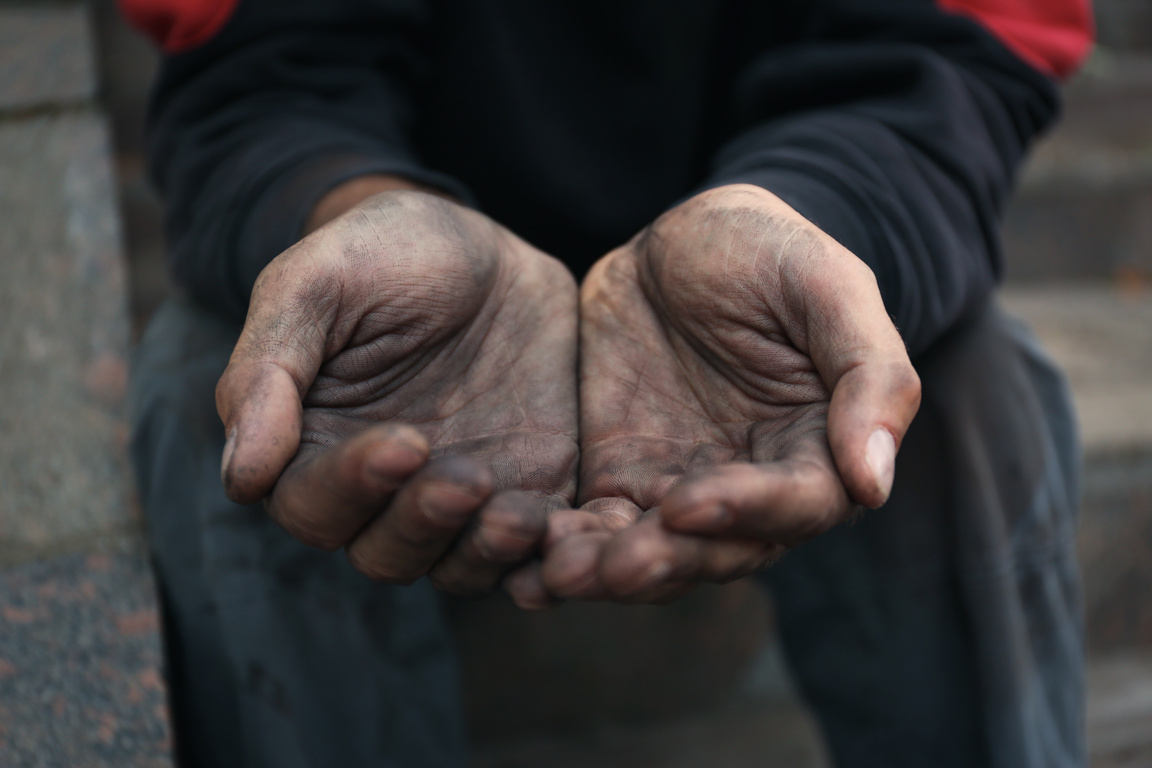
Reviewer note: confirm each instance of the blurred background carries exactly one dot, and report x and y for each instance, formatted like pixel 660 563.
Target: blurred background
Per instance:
pixel 82 267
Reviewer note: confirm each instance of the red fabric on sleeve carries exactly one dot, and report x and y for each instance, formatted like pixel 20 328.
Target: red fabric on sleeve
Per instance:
pixel 178 25
pixel 1054 36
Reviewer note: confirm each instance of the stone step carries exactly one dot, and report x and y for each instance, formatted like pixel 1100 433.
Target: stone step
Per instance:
pixel 1101 334
pixel 1084 207
pixel 80 654
pixel 1124 24
pixel 783 733
pixel 1120 710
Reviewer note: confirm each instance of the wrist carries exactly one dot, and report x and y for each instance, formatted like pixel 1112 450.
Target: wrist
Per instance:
pixel 351 193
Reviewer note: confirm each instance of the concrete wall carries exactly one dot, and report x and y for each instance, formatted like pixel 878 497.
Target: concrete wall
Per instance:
pixel 80 659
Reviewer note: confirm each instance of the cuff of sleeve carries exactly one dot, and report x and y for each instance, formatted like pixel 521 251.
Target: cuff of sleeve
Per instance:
pixel 279 213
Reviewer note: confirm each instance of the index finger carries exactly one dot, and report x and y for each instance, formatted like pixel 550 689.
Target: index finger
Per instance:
pixel 788 500
pixel 326 495
pixel 649 563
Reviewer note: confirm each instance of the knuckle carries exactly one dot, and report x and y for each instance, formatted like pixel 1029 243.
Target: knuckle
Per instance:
pixel 861 271
pixel 906 383
pixel 687 497
pixel 419 531
pixel 223 393
pixel 317 542
pixel 906 378
pixel 379 571
pixel 359 560
pixel 434 519
pixel 310 537
pixel 735 560
pixel 511 528
pixel 503 546
pixel 634 570
pixel 303 526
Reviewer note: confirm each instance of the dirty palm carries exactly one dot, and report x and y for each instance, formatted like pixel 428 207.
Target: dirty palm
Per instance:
pixel 406 387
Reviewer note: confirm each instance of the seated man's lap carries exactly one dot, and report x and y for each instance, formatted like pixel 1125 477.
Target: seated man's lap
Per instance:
pixel 945 626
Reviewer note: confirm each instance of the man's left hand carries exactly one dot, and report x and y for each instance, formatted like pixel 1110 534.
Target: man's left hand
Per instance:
pixel 742 390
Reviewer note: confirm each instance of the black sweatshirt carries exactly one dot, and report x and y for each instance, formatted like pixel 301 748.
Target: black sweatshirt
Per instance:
pixel 895 125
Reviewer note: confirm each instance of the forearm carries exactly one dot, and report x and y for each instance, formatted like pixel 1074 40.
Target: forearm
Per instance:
pixel 898 128
pixel 250 130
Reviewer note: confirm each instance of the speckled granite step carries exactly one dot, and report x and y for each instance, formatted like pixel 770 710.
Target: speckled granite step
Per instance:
pixel 80 654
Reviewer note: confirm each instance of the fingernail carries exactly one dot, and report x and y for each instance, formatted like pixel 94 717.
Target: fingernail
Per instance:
pixel 880 455
pixel 447 505
pixel 712 517
pixel 655 574
pixel 226 459
pixel 390 463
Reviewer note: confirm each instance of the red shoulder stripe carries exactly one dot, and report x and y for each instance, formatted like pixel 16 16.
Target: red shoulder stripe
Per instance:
pixel 178 25
pixel 1054 36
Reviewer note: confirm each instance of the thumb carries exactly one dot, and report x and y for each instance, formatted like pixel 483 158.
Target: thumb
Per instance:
pixel 259 397
pixel 872 406
pixel 863 361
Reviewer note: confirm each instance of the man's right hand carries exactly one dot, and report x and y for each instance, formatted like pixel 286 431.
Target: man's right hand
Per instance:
pixel 405 387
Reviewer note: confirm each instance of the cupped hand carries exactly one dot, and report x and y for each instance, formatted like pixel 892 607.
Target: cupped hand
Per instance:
pixel 742 389
pixel 405 387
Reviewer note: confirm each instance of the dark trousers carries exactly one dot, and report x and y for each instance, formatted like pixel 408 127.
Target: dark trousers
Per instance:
pixel 942 630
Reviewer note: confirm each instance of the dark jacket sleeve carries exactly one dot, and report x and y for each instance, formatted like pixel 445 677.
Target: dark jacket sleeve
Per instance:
pixel 898 127
pixel 250 128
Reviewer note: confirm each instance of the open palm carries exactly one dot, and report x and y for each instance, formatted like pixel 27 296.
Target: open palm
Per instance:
pixel 402 370
pixel 711 346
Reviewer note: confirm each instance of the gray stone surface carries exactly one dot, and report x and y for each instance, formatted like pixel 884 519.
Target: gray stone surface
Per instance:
pixel 45 56
pixel 1124 24
pixel 80 663
pixel 80 653
pixel 128 63
pixel 1120 711
pixel 1101 334
pixel 1116 550
pixel 1085 203
pixel 63 339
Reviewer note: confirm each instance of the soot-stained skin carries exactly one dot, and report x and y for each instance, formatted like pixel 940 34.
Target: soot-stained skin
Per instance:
pixel 405 387
pixel 711 345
